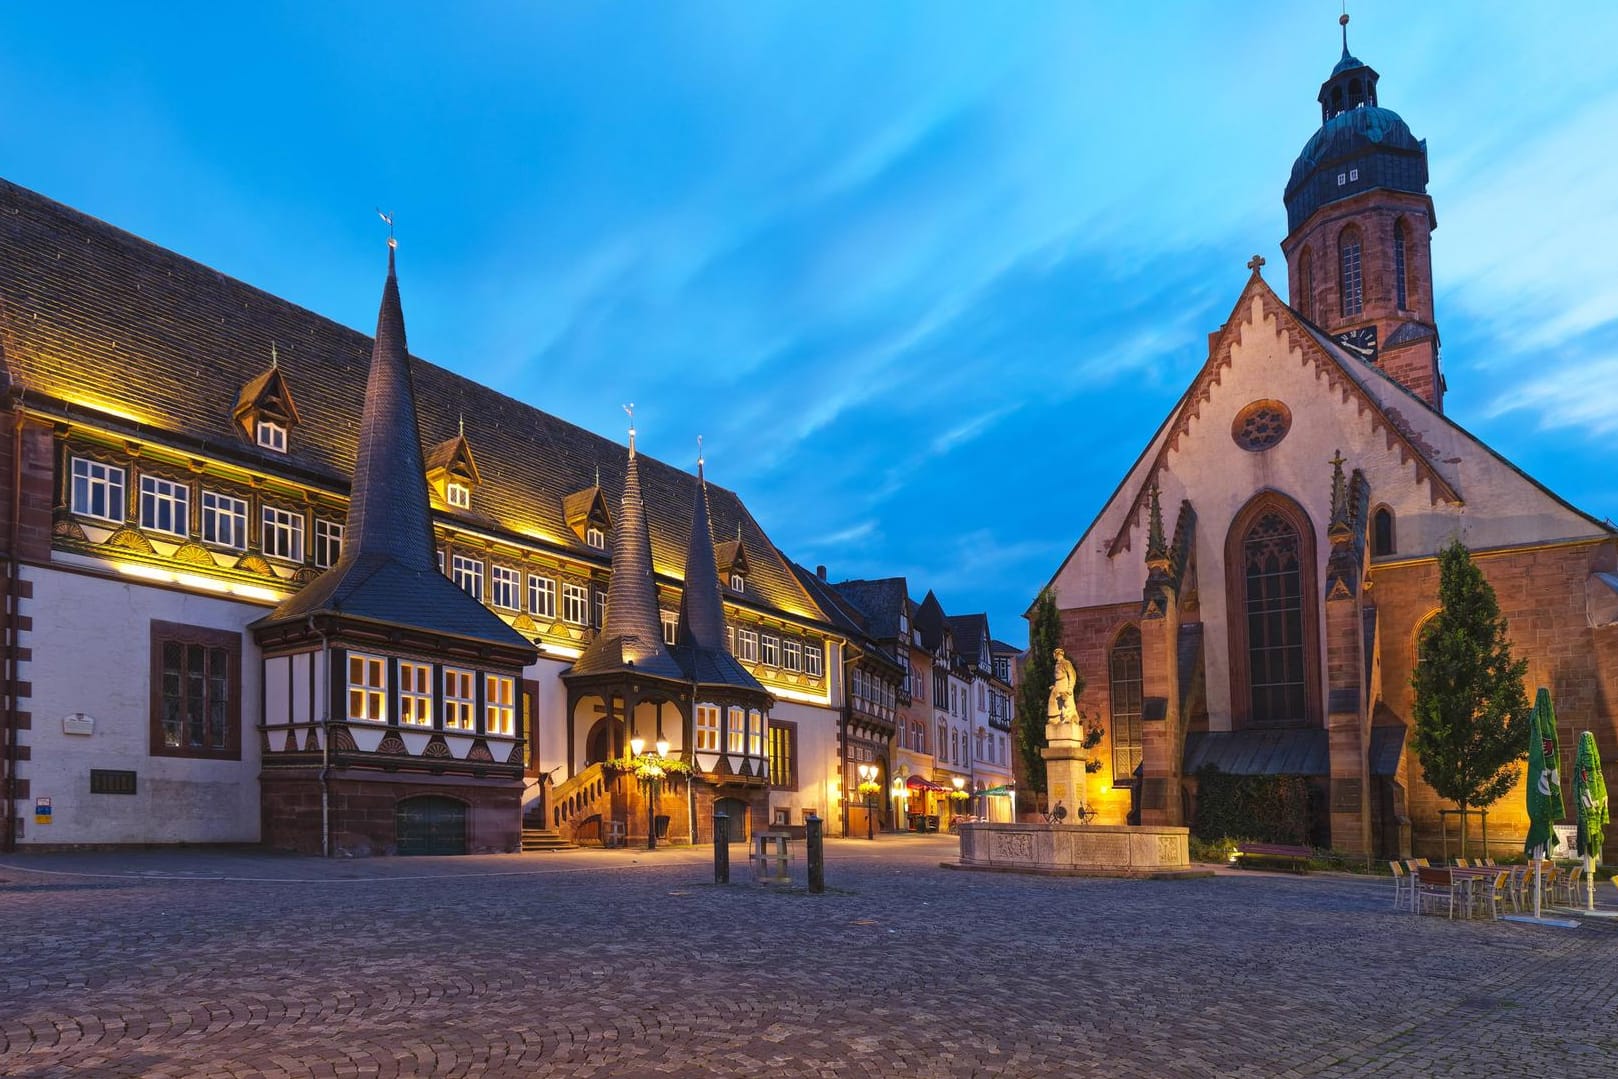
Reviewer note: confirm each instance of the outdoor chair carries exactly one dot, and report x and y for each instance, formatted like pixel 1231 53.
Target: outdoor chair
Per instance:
pixel 1518 884
pixel 1567 885
pixel 1434 886
pixel 1403 886
pixel 1489 893
pixel 1462 863
pixel 1418 863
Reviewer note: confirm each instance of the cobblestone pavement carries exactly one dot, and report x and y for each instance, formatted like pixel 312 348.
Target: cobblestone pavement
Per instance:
pixel 624 963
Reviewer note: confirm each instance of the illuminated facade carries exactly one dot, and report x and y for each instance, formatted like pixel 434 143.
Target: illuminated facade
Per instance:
pixel 199 653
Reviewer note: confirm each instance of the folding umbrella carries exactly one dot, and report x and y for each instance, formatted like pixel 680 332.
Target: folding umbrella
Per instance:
pixel 1590 803
pixel 1544 786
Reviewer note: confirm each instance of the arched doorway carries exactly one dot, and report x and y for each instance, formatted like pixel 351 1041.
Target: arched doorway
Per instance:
pixel 598 743
pixel 430 824
pixel 736 827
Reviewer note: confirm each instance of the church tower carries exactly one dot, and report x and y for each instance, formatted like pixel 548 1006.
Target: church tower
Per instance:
pixel 1359 232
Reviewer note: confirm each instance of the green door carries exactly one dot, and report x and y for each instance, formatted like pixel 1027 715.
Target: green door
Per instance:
pixel 430 824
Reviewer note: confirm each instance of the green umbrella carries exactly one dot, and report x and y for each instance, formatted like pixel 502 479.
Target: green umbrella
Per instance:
pixel 1544 785
pixel 1590 803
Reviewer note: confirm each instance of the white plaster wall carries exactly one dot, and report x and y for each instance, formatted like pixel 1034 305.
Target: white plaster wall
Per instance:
pixel 550 714
pixel 818 767
pixel 91 645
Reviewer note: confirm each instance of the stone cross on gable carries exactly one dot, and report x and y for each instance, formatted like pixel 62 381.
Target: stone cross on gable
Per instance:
pixel 1256 263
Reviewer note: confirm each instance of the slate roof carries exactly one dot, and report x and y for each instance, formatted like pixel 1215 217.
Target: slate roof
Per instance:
pixel 1297 752
pixel 99 325
pixel 930 622
pixel 846 616
pixel 881 601
pixel 971 636
pixel 388 570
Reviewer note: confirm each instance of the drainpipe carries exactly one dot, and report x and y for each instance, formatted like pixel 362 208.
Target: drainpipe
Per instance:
pixel 13 599
pixel 325 743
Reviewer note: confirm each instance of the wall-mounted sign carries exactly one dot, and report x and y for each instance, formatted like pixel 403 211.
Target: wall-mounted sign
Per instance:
pixel 78 723
pixel 42 810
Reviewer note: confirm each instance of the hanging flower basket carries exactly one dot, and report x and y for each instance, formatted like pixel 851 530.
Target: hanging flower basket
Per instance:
pixel 868 788
pixel 958 796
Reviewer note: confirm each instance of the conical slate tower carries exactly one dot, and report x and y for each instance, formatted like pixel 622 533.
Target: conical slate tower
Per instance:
pixel 388 568
pixel 701 647
pixel 632 629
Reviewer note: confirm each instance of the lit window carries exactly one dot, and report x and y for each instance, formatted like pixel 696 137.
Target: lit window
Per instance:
pixel 738 583
pixel 671 626
pixel 747 645
pixel 224 521
pixel 708 728
pixel 771 650
pixel 458 495
pixel 736 730
pixel 755 733
pixel 793 660
pixel 541 597
pixel 783 755
pixel 271 435
pixel 575 604
pixel 328 543
pixel 595 537
pixel 1353 174
pixel 1341 179
pixel 600 608
pixel 499 704
pixel 467 573
pixel 164 506
pixel 505 586
pixel 415 694
pixel 283 534
pixel 460 701
pixel 813 658
pixel 98 490
pixel 367 688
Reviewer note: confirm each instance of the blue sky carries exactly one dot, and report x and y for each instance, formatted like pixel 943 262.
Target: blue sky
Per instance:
pixel 904 266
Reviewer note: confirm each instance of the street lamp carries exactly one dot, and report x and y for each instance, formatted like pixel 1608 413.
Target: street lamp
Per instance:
pixel 869 787
pixel 650 769
pixel 955 799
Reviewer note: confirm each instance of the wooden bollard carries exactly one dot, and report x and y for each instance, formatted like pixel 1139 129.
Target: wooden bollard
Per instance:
pixel 721 848
pixel 816 853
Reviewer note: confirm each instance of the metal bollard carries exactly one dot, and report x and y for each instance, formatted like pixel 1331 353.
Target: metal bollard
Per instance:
pixel 816 854
pixel 721 848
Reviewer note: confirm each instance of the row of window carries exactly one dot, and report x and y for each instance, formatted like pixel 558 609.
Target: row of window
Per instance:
pixel 785 653
pixel 743 730
pixel 425 696
pixel 99 490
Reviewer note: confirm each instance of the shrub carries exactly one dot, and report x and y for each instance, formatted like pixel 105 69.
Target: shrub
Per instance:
pixel 1269 809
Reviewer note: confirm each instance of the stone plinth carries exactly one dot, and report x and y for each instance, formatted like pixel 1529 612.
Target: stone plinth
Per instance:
pixel 1100 850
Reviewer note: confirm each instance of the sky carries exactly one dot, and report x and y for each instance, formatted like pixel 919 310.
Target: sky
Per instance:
pixel 925 276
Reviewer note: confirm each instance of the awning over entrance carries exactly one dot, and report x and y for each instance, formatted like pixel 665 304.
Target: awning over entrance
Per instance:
pixel 921 783
pixel 1001 791
pixel 1259 753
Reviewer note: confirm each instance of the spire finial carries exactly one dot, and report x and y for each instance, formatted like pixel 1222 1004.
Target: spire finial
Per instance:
pixel 1157 547
pixel 387 219
pixel 598 473
pixel 1256 264
pixel 1342 21
pixel 463 425
pixel 275 360
pixel 629 409
pixel 699 459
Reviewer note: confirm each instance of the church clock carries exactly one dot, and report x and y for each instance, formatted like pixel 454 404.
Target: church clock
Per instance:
pixel 1361 342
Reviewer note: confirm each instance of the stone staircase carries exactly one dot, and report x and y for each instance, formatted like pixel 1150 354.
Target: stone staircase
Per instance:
pixel 536 839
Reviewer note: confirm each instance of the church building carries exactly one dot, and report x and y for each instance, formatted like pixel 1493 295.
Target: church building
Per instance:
pixel 1252 594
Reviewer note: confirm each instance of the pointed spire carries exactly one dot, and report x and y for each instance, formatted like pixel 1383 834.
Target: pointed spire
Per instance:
pixel 1339 528
pixel 1157 547
pixel 388 510
pixel 1343 22
pixel 632 630
pixel 702 610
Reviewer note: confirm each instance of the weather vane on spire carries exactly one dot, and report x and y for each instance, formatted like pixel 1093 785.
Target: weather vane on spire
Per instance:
pixel 699 451
pixel 1342 21
pixel 387 219
pixel 629 409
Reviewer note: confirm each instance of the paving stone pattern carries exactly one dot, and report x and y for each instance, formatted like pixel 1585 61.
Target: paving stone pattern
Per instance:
pixel 624 963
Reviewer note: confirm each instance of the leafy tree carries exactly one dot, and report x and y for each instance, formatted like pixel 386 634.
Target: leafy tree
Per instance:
pixel 1044 637
pixel 1471 722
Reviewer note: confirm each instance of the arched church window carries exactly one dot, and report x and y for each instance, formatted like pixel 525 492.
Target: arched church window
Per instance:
pixel 1124 675
pixel 1350 283
pixel 1382 532
pixel 1400 284
pixel 1271 566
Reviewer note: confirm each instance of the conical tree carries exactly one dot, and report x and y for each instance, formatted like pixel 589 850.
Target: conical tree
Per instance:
pixel 1471 722
pixel 1044 637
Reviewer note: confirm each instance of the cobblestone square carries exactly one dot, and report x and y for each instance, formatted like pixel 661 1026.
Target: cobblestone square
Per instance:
pixel 630 963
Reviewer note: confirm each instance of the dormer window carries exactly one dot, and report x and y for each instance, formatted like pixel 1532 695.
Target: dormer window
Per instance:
pixel 738 583
pixel 458 495
pixel 452 473
pixel 271 435
pixel 595 537
pixel 587 516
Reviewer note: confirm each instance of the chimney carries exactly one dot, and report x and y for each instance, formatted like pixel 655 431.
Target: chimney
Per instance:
pixel 820 571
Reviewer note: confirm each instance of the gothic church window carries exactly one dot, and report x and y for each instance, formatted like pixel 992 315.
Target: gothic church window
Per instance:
pixel 196 692
pixel 1400 281
pixel 1124 674
pixel 1274 608
pixel 1382 532
pixel 1350 282
pixel 1306 284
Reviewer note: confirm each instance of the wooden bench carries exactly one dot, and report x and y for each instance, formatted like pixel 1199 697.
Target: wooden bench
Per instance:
pixel 1255 855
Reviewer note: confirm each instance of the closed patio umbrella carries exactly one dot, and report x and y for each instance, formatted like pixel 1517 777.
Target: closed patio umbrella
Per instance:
pixel 1544 786
pixel 1590 803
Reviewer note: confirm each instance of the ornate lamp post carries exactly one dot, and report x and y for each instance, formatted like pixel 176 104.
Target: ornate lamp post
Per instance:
pixel 650 769
pixel 868 787
pixel 957 795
